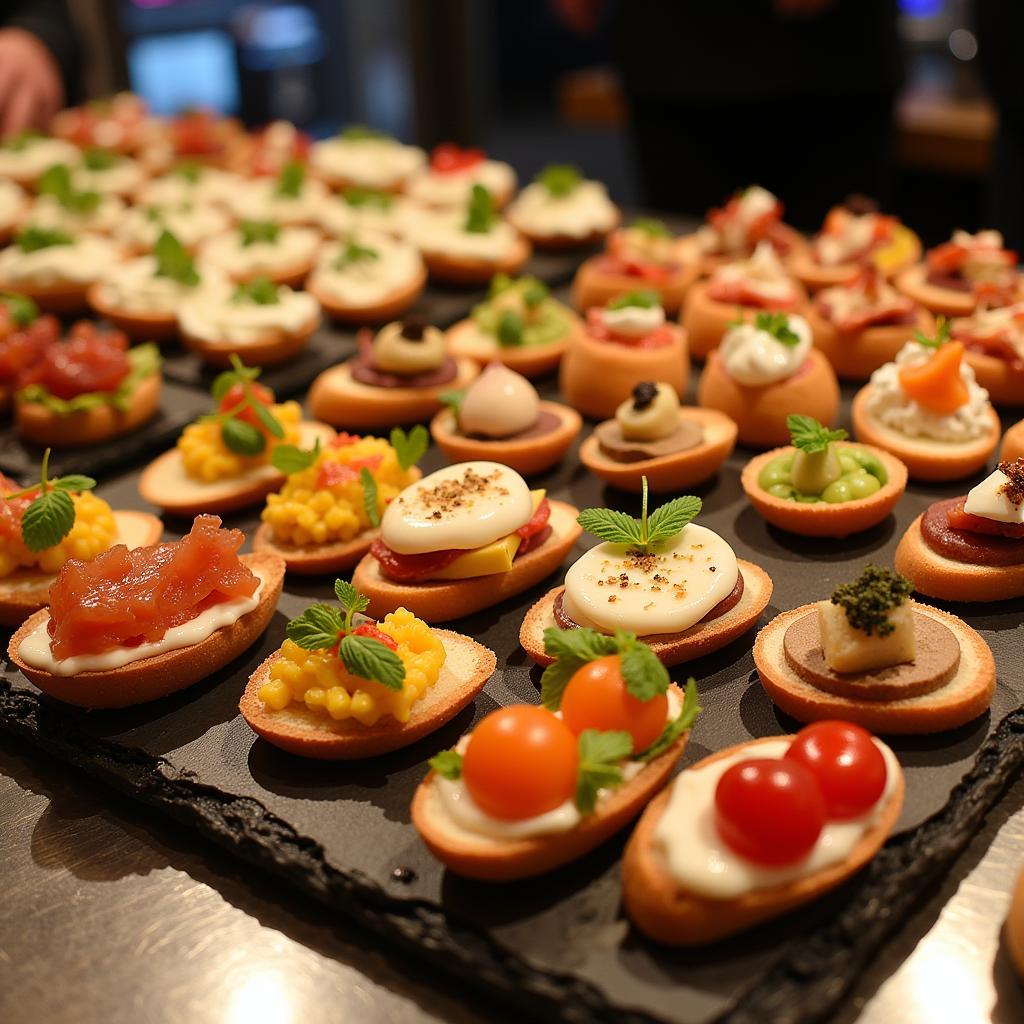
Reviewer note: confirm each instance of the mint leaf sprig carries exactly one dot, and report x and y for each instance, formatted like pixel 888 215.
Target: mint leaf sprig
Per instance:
pixel 937 340
pixel 370 498
pixel 809 435
pixel 600 754
pixel 352 252
pixel 173 260
pixel 777 325
pixel 673 730
pixel 447 764
pixel 56 182
pixel 643 298
pixel 665 522
pixel 560 179
pixel 289 458
pixel 409 448
pixel 34 238
pixel 253 231
pixel 481 213
pixel 238 436
pixel 290 180
pixel 260 290
pixel 50 518
pixel 367 197
pixel 322 627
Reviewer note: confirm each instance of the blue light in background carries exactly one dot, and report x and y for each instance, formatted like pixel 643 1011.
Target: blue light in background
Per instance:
pixel 185 69
pixel 923 8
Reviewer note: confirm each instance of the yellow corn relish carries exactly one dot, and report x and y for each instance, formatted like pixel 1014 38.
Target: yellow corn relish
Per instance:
pixel 319 681
pixel 94 531
pixel 306 513
pixel 208 459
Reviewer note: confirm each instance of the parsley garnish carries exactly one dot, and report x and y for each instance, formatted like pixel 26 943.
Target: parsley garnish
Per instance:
pixel 353 252
pixel 291 179
pixel 409 448
pixel 239 436
pixel 534 291
pixel 809 435
pixel 480 212
pixel 369 486
pixel 600 754
pixel 447 764
pixel 174 261
pixel 644 299
pixel 941 336
pixel 260 290
pixel 367 197
pixel 288 459
pixel 651 226
pixel 254 231
pixel 869 598
pixel 95 158
pixel 32 239
pixel 21 310
pixel 56 182
pixel 674 729
pixel 360 133
pixel 618 528
pixel 510 329
pixel 559 179
pixel 777 325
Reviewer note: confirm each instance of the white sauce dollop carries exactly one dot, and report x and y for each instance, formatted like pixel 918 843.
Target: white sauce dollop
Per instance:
pixel 634 321
pixel 294 248
pixel 212 315
pixel 365 282
pixel 81 262
pixel 584 211
pixel 756 358
pixel 367 163
pixel 453 188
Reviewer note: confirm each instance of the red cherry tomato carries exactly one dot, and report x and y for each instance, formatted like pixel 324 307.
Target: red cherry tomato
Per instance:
pixel 596 698
pixel 520 761
pixel 769 810
pixel 448 157
pixel 849 768
pixel 234 395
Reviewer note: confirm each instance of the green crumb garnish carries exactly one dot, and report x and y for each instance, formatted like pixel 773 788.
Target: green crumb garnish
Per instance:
pixel 870 597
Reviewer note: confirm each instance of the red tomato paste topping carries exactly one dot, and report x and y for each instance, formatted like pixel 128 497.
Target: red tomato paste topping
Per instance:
pixel 89 360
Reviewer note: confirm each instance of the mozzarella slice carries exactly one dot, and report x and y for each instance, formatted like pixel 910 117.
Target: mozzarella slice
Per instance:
pixel 463 506
pixel 990 500
pixel 614 587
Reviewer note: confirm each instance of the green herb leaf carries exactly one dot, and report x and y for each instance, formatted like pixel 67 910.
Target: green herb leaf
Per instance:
pixel 409 448
pixel 291 179
pixel 510 329
pixel 777 325
pixel 447 764
pixel 56 182
pixel 453 399
pixel 253 231
pixel 611 526
pixel 480 212
pixel 173 260
pixel 651 226
pixel 316 629
pixel 359 197
pixel 369 496
pixel 571 649
pixel 22 140
pixel 669 519
pixel 360 132
pixel 260 290
pixel 643 298
pixel 809 435
pixel 74 483
pixel 674 729
pixel 190 170
pixel 242 438
pixel 499 283
pixel 534 291
pixel 95 158
pixel 349 598
pixel 368 658
pixel 227 379
pixel 559 179
pixel 644 675
pixel 600 754
pixel 288 459
pixel 267 419
pixel 941 336
pixel 20 308
pixel 352 252
pixel 32 238
pixel 48 520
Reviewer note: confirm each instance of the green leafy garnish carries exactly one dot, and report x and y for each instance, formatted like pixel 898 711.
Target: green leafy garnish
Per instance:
pixel 190 170
pixel 643 298
pixel 534 291
pixel 51 516
pixel 367 197
pixel 777 325
pixel 674 729
pixel 260 290
pixel 664 523
pixel 600 754
pixel 238 435
pixel 369 486
pixel 288 459
pixel 870 597
pixel 32 238
pixel 317 628
pixel 453 399
pixel 809 435
pixel 173 260
pixel 510 329
pixel 651 226
pixel 21 140
pixel 368 658
pixel 559 179
pixel 56 182
pixel 500 283
pixel 95 158
pixel 291 179
pixel 242 438
pixel 360 132
pixel 21 310
pixel 254 231
pixel 409 448
pixel 480 212
pixel 352 252
pixel 447 764
pixel 941 336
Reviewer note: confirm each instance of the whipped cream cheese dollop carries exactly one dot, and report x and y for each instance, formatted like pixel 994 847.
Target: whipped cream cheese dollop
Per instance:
pixel 409 347
pixel 292 248
pixel 762 273
pixel 81 261
pixel 48 212
pixel 887 402
pixel 666 590
pixel 757 358
pixel 700 861
pixel 213 314
pixel 394 215
pixel 207 185
pixel 366 268
pixel 445 234
pixel 367 162
pixel 261 199
pixel 453 188
pixel 135 286
pixel 583 211
pixel 459 507
pixel 650 413
pixel 12 202
pixel 999 497
pixel 634 321
pixel 499 403
pixel 122 177
pixel 753 204
pixel 34 156
pixel 190 223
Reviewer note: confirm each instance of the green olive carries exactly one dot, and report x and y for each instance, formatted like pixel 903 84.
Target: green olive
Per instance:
pixel 862 484
pixel 870 463
pixel 781 490
pixel 848 463
pixel 838 491
pixel 776 472
pixel 811 499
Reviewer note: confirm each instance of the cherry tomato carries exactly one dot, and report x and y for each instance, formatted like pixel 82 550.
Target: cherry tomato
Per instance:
pixel 849 767
pixel 520 761
pixel 448 157
pixel 769 810
pixel 234 395
pixel 596 698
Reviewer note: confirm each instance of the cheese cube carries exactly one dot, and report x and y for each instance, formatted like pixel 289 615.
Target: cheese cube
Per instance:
pixel 848 649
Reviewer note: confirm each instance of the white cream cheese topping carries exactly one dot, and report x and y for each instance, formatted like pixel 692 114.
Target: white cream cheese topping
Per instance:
pixel 367 281
pixel 294 247
pixel 757 358
pixel 135 287
pixel 83 261
pixel 445 234
pixel 260 200
pixel 453 188
pixel 634 321
pixel 190 223
pixel 584 211
pixel 37 156
pixel 13 203
pixel 367 163
pixel 213 315
pixel 47 212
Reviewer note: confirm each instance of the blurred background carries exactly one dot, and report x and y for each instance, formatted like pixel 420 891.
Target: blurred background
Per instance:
pixel 673 105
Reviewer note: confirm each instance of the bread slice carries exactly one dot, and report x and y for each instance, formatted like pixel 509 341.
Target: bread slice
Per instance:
pixel 36 423
pixel 443 600
pixel 667 913
pixel 698 640
pixel 1013 443
pixel 337 399
pixel 1015 926
pixel 967 695
pixel 391 307
pixel 822 518
pixel 1003 380
pixel 527 455
pixel 529 360
pixel 27 590
pixel 467 270
pixel 504 860
pixel 274 346
pixel 165 484
pixel 936 575
pixel 139 326
pixel 154 677
pixel 595 286
pixel 914 282
pixel 299 730
pixel 925 458
pixel 62 297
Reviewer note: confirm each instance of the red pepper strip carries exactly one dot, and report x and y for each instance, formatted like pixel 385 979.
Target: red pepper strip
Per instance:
pixel 537 522
pixel 410 568
pixel 332 473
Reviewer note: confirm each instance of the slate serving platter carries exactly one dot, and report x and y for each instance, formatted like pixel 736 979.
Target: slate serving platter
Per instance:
pixel 559 944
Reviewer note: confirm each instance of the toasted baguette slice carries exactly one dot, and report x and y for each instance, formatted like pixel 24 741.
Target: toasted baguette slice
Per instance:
pixel 452 269
pixel 154 677
pixel 1015 925
pixel 946 301
pixel 924 458
pixel 297 729
pixel 698 640
pixel 391 307
pixel 967 695
pixel 1002 379
pixel 273 347
pixel 35 422
pixel 1013 443
pixel 62 297
pixel 337 399
pixel 27 590
pixel 139 326
pixel 165 483
pixel 561 242
pixel 526 455
pixel 505 860
pixel 529 360
pixel 822 518
pixel 949 580
pixel 667 913
pixel 443 600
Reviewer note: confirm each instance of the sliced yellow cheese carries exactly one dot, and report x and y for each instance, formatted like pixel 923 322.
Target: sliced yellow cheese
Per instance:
pixel 848 649
pixel 491 559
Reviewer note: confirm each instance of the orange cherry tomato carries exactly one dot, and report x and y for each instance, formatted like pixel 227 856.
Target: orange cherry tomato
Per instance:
pixel 520 761
pixel 596 698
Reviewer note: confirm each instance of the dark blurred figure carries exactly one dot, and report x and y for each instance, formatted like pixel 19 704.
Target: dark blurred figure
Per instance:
pixel 998 25
pixel 794 95
pixel 39 57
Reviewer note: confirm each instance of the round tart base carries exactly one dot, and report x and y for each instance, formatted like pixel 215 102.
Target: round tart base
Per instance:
pixel 593 286
pixel 700 639
pixel 673 472
pixel 138 326
pixel 948 302
pixel 307 733
pixel 559 243
pixel 760 413
pixel 814 276
pixel 273 347
pixel 966 696
pixel 64 298
pixel 293 275
pixel 822 519
pixel 1015 926
pixel 924 458
pixel 463 270
pixel 1004 384
pixel 526 455
pixel 529 360
pixel 391 307
pixel 1013 443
